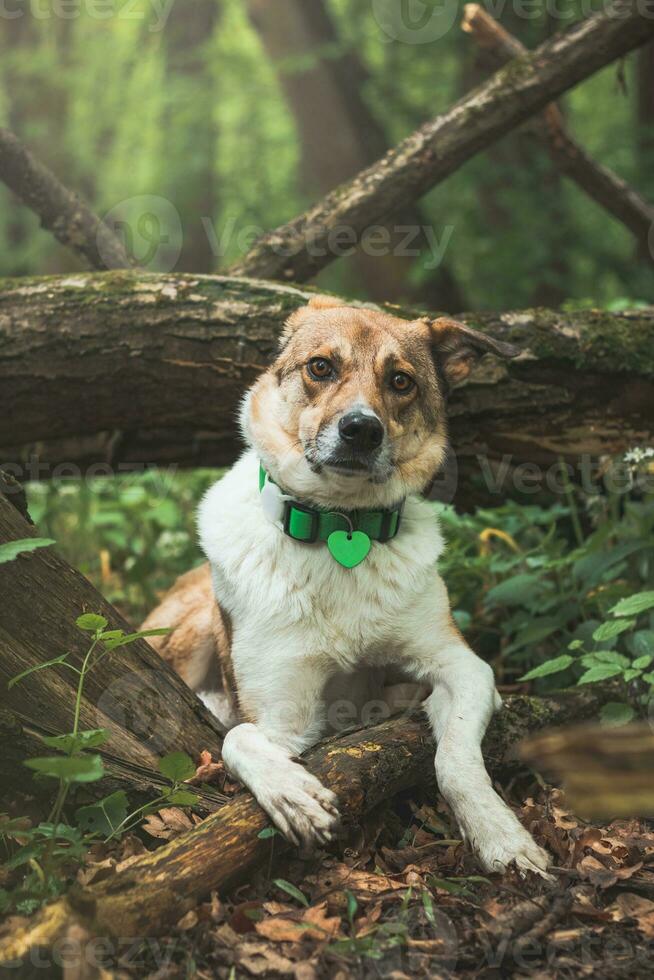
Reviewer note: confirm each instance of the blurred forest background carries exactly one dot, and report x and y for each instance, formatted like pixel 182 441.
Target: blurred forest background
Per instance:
pixel 241 112
pixel 228 116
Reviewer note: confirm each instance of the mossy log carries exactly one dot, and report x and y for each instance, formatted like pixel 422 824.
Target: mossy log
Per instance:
pixel 106 372
pixel 145 706
pixel 363 767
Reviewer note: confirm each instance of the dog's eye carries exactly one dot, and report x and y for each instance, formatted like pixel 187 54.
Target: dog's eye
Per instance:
pixel 402 383
pixel 320 368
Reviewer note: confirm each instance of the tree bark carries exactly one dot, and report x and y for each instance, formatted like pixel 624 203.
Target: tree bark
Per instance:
pixel 299 249
pixel 362 768
pixel 65 214
pixel 146 707
pixel 125 370
pixel 339 135
pixel 601 184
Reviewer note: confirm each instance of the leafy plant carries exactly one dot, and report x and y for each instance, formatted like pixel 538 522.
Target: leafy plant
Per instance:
pixel 50 850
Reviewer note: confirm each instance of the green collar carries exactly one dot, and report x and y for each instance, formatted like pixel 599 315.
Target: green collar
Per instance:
pixel 348 533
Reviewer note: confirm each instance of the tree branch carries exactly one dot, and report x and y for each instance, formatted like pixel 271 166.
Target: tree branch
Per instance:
pixel 601 184
pixel 66 215
pixel 362 768
pixel 299 249
pixel 129 369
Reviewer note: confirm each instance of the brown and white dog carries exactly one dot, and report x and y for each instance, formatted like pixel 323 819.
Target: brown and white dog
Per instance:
pixel 279 638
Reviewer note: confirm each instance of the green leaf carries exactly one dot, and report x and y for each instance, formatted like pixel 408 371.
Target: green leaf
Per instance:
pixel 605 657
pixel 177 766
pixel 642 662
pixel 600 673
pixel 648 678
pixel 641 643
pixel 31 670
pixel 630 674
pixel 89 739
pixel 549 667
pixel 428 906
pixel 91 622
pixel 607 631
pixel 616 713
pixel 79 769
pixel 268 832
pixel 352 905
pixel 291 890
pixel 516 590
pixel 112 643
pixel 182 797
pixel 105 816
pixel 12 549
pixel 575 645
pixel 634 604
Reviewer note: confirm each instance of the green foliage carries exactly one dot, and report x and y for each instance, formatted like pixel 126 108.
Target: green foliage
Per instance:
pixel 86 124
pixel 52 850
pixel 129 535
pixel 12 549
pixel 554 610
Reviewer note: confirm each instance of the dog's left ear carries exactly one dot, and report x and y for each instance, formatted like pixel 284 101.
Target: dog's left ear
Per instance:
pixel 456 347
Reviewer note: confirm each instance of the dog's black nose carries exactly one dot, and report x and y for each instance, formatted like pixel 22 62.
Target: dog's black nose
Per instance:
pixel 361 431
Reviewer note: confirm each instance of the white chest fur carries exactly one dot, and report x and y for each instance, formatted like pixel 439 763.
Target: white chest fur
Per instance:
pixel 273 586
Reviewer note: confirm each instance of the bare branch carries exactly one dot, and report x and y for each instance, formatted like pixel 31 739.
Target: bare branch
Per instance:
pixel 62 212
pixel 601 184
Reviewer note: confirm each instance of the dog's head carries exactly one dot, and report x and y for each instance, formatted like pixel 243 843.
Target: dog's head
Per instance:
pixel 352 411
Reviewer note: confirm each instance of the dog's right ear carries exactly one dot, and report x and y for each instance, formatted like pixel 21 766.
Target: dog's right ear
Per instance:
pixel 296 319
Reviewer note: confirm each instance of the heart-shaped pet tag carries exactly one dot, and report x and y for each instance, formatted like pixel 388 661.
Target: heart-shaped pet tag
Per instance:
pixel 349 548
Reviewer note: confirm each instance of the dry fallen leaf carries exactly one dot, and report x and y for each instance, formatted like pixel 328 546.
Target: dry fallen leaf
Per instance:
pixel 167 823
pixel 631 906
pixel 299 926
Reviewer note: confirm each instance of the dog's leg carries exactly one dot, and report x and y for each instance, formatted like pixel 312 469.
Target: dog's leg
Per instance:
pixel 459 708
pixel 287 710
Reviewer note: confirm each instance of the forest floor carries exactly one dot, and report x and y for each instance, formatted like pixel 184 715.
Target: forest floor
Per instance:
pixel 403 898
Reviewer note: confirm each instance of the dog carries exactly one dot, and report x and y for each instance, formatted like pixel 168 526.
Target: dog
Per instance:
pixel 321 599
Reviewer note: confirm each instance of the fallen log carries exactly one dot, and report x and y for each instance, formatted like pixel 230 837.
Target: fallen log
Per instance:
pixel 607 773
pixel 297 250
pixel 146 708
pixel 598 182
pixel 116 371
pixel 363 768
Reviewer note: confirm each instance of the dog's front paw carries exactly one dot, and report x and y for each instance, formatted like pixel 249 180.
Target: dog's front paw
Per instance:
pixel 300 806
pixel 498 839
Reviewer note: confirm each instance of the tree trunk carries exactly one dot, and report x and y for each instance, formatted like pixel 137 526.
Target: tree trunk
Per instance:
pixel 192 164
pixel 339 134
pixel 123 370
pixel 147 709
pixel 298 250
pixel 362 768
